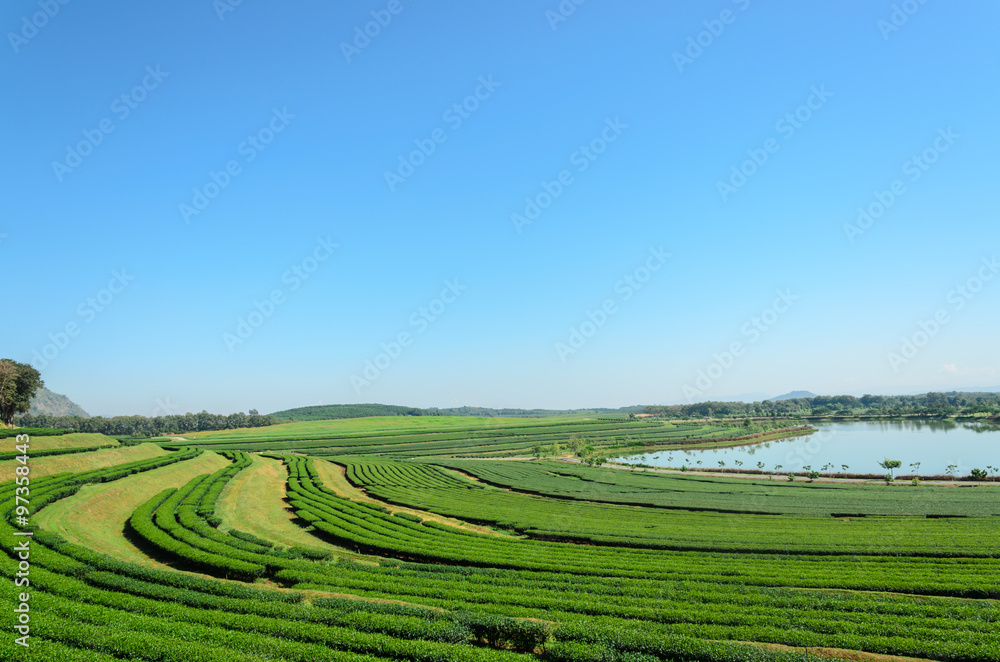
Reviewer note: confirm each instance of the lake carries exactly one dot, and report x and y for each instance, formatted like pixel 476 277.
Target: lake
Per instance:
pixel 859 444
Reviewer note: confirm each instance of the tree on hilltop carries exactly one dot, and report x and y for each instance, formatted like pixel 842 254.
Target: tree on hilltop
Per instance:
pixel 18 384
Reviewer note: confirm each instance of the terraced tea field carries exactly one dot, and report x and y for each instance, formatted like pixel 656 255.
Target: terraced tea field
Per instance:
pixel 454 436
pixel 376 540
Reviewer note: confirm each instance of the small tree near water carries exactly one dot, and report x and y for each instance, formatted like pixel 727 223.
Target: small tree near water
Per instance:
pixel 889 465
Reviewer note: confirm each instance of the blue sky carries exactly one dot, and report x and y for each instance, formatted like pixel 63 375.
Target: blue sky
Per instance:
pixel 576 227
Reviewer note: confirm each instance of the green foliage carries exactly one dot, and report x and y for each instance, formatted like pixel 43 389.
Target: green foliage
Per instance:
pixel 333 412
pixel 142 426
pixel 34 432
pixel 929 404
pixel 18 383
pixel 496 630
pixel 890 464
pixel 454 595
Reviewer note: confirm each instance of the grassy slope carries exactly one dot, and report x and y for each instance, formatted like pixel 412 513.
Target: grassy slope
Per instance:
pixel 72 440
pixel 361 425
pixel 253 502
pixel 46 466
pixel 95 516
pixel 700 490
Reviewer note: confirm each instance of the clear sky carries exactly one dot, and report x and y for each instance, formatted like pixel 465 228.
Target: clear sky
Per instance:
pixel 228 206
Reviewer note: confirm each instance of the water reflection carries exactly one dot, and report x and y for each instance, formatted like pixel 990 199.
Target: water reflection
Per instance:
pixel 923 446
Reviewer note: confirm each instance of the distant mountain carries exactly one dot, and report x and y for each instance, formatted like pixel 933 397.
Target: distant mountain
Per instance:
pixel 47 402
pixel 328 412
pixel 536 413
pixel 793 394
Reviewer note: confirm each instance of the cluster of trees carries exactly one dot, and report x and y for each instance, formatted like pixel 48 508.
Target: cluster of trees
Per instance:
pixel 931 404
pixel 142 426
pixel 18 383
pixel 578 447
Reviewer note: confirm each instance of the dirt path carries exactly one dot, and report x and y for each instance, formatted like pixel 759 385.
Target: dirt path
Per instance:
pixel 838 653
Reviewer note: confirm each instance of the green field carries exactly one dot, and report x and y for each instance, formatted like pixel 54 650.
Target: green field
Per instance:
pixel 456 436
pixel 398 539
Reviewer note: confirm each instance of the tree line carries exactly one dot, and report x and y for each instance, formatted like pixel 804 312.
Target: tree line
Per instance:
pixel 143 426
pixel 929 404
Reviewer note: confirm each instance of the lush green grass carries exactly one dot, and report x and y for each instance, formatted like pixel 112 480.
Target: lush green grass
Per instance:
pixel 685 519
pixel 456 436
pixel 70 440
pixel 96 515
pixel 48 465
pixel 253 502
pixel 753 495
pixel 667 573
pixel 351 426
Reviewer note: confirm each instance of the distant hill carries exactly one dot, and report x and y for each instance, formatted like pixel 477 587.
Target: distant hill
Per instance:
pixel 328 412
pixel 54 404
pixel 536 413
pixel 793 394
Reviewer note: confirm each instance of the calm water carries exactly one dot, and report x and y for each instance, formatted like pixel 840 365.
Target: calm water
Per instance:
pixel 860 445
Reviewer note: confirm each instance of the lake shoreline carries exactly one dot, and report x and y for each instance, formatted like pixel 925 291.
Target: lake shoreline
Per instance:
pixel 856 450
pixel 903 480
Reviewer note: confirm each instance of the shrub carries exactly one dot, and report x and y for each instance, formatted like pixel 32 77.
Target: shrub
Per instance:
pixel 519 634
